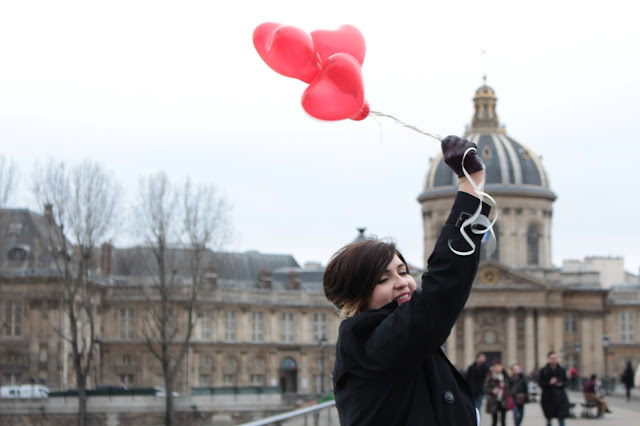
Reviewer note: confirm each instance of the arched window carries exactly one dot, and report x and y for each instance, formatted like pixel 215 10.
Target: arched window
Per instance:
pixel 533 245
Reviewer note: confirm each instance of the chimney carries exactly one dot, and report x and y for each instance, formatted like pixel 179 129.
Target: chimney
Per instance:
pixel 264 279
pixel 48 213
pixel 106 258
pixel 293 279
pixel 211 277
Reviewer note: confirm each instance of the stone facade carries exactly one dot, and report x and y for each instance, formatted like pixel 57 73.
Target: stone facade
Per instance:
pixel 261 319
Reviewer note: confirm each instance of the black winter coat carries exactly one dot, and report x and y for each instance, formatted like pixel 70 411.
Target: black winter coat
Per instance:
pixel 554 400
pixel 476 375
pixel 389 367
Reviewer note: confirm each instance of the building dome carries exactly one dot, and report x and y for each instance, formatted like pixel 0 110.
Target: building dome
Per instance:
pixel 512 168
pixel 515 178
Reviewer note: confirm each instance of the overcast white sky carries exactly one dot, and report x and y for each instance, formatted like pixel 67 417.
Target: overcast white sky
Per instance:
pixel 178 86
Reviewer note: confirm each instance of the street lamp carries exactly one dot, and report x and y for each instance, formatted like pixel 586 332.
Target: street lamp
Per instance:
pixel 606 341
pixel 322 343
pixel 576 348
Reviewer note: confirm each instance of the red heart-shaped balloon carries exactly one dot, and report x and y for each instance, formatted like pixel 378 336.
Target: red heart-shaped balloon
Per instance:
pixel 362 113
pixel 337 93
pixel 346 39
pixel 287 50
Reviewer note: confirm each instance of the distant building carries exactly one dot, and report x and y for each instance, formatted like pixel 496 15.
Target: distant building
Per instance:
pixel 261 318
pixel 521 305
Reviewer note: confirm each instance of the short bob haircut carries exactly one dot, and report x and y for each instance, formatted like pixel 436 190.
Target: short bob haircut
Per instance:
pixel 354 271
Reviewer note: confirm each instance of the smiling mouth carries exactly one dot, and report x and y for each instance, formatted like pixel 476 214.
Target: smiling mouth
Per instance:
pixel 404 297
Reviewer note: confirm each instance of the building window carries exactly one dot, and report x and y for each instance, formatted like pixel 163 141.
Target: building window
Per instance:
pixel 257 380
pixel 206 361
pixel 230 325
pixel 13 318
pixel 11 379
pixel 126 380
pixel 125 324
pixel 484 254
pixel 287 327
pixel 319 326
pixel 229 380
pixel 257 327
pixel 17 255
pixel 205 325
pixel 627 326
pixel 317 383
pixel 533 245
pixel 570 323
pixel 205 380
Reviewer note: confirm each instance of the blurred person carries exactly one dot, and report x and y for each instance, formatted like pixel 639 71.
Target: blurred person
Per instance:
pixel 627 379
pixel 497 387
pixel 554 400
pixel 520 392
pixel 476 375
pixel 592 395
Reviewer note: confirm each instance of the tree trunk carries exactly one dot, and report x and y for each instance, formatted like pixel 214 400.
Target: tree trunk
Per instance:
pixel 82 404
pixel 170 415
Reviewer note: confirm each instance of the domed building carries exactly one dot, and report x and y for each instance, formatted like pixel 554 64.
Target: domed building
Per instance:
pixel 521 305
pixel 515 178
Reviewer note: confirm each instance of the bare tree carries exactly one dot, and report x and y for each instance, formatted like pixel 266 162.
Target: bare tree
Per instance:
pixel 192 221
pixel 8 179
pixel 82 203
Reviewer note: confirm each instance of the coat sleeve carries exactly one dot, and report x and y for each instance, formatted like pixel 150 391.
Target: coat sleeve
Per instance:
pixel 421 326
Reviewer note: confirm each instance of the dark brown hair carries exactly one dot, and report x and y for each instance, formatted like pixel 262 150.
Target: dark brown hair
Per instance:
pixel 354 271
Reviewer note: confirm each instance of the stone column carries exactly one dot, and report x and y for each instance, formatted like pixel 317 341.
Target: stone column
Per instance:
pixel 529 344
pixel 512 337
pixel 598 348
pixel 303 329
pixel 451 344
pixel 586 354
pixel 544 341
pixel 274 332
pixel 468 337
pixel 558 333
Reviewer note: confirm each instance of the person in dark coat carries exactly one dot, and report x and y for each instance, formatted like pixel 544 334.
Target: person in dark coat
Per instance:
pixel 476 375
pixel 497 388
pixel 520 393
pixel 554 400
pixel 627 379
pixel 389 367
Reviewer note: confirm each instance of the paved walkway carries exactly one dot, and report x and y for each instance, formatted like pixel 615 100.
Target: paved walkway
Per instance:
pixel 624 413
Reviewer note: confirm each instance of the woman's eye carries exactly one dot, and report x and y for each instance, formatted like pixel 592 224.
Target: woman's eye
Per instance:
pixel 403 272
pixel 383 279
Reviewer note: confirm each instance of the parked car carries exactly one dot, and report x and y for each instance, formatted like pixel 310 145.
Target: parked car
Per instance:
pixel 24 391
pixel 160 391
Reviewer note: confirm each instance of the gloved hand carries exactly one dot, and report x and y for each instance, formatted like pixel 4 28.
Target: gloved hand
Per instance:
pixel 453 149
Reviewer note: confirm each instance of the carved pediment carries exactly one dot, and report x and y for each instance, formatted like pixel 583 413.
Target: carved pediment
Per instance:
pixel 495 276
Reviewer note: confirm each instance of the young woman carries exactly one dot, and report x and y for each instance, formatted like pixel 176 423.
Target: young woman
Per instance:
pixel 497 388
pixel 389 367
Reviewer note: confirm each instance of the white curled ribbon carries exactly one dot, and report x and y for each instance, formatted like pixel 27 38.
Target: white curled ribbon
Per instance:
pixel 477 217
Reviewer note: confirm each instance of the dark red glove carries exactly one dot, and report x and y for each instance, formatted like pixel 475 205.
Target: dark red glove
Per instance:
pixel 453 149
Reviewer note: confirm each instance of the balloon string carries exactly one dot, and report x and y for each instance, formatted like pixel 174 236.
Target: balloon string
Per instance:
pixel 408 126
pixel 476 215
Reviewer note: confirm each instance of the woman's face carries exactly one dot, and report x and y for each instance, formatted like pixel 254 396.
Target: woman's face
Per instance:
pixel 395 284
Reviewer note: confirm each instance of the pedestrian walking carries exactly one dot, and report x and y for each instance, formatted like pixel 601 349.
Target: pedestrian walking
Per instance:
pixel 520 393
pixel 497 389
pixel 627 379
pixel 390 368
pixel 476 375
pixel 554 400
